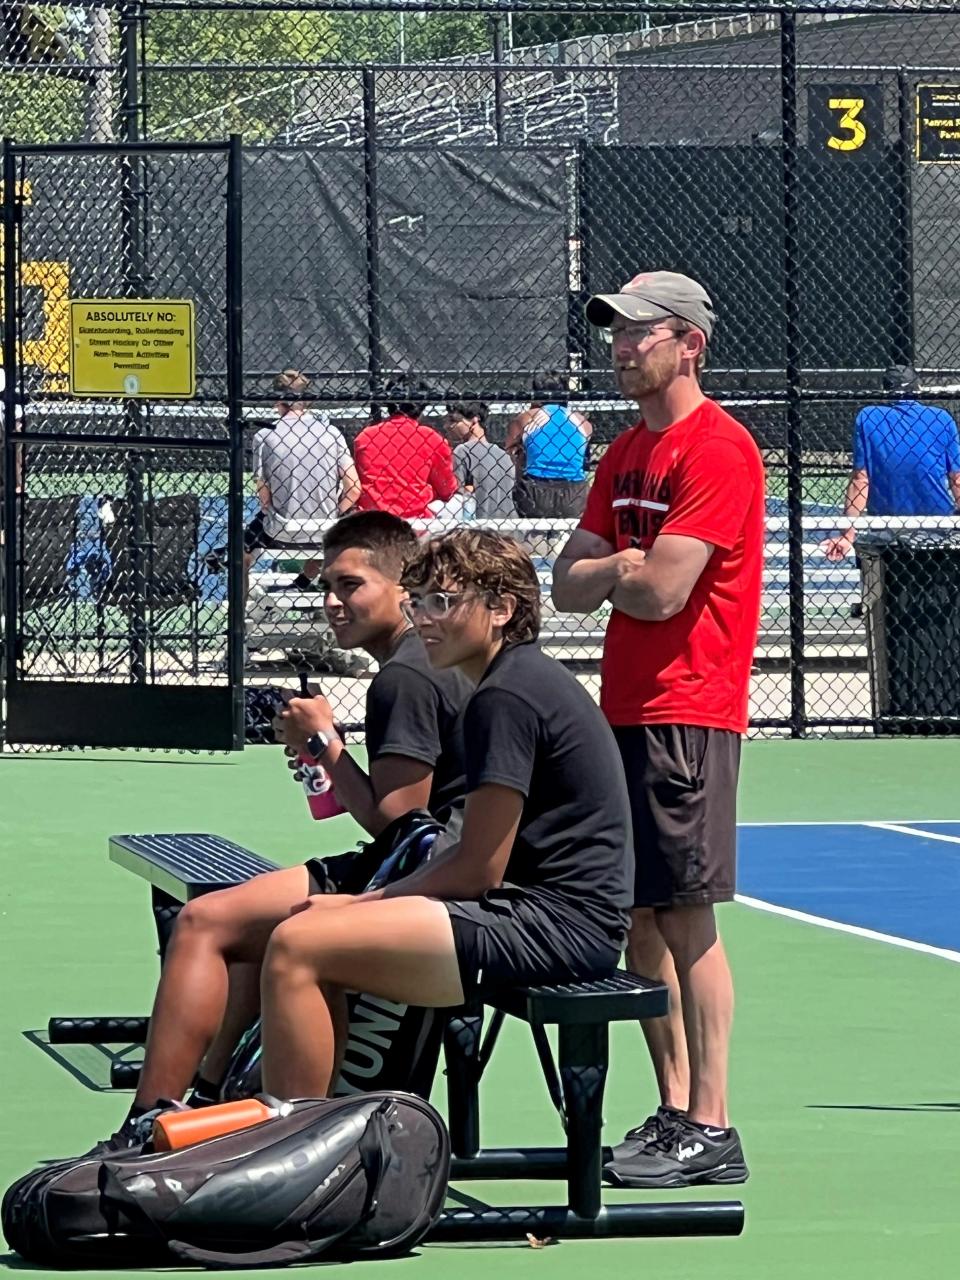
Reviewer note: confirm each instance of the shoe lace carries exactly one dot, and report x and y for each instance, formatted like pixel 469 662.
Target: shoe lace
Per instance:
pixel 651 1128
pixel 670 1131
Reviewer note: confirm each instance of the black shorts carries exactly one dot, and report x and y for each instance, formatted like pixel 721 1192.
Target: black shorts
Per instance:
pixel 509 937
pixel 682 782
pixel 554 499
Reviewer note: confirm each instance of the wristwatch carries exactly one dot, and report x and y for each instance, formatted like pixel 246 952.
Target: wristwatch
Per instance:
pixel 318 744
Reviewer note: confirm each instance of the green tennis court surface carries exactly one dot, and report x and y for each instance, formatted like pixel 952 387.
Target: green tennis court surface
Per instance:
pixel 846 1066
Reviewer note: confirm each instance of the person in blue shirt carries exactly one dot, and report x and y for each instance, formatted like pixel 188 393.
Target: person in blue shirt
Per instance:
pixel 548 443
pixel 906 461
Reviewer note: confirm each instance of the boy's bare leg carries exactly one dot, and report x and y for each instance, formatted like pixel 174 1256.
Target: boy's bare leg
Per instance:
pixel 243 1008
pixel 398 948
pixel 211 933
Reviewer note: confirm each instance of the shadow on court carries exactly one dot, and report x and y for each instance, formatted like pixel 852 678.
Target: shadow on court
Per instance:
pixel 89 1064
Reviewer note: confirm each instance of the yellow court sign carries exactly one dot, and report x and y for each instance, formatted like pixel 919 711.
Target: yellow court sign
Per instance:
pixel 132 347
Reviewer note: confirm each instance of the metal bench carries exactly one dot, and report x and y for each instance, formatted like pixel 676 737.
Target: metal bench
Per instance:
pixel 582 1013
pixel 181 867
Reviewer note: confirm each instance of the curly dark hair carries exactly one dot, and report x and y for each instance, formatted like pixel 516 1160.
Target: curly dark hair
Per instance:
pixel 494 564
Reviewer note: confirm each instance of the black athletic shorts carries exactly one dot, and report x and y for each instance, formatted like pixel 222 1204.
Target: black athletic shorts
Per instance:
pixel 509 937
pixel 554 499
pixel 682 782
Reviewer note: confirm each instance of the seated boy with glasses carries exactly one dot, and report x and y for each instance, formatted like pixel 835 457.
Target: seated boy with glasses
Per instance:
pixel 538 886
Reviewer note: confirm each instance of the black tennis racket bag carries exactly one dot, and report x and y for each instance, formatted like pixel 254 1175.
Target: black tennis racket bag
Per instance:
pixel 389 1046
pixel 338 1179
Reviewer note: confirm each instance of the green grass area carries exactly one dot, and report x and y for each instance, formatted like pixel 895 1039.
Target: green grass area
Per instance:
pixel 844 1076
pixel 92 481
pixel 825 487
pixel 822 487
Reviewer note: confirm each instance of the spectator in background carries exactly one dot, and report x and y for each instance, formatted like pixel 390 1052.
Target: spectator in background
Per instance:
pixel 304 475
pixel 906 461
pixel 482 467
pixel 404 465
pixel 548 443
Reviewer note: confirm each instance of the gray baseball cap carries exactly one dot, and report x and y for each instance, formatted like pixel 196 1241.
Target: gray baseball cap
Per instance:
pixel 655 295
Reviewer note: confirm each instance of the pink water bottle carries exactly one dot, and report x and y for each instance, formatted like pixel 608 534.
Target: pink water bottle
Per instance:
pixel 321 798
pixel 317 784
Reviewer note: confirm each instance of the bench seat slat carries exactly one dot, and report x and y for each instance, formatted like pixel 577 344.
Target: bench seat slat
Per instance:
pixel 621 997
pixel 187 865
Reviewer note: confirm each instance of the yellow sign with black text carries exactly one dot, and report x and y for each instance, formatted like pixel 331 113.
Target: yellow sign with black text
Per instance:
pixel 133 348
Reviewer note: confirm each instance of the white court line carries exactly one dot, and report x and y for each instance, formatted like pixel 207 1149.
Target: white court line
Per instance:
pixel 913 831
pixel 857 822
pixel 858 932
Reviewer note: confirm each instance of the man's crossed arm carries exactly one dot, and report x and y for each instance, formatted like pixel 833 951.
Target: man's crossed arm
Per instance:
pixel 651 585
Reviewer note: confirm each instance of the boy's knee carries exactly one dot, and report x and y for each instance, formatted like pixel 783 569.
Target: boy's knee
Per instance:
pixel 209 916
pixel 289 948
pixel 197 916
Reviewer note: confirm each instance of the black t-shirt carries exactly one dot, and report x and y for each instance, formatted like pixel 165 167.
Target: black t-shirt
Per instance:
pixel 532 727
pixel 415 711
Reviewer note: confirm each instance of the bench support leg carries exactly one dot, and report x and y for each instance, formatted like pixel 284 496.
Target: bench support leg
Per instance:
pixel 165 912
pixel 461 1051
pixel 583 1074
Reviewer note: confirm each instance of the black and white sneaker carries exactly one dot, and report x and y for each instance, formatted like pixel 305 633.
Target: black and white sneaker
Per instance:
pixel 134 1133
pixel 652 1129
pixel 686 1155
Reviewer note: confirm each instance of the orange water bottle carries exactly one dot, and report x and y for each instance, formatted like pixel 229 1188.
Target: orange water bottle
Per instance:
pixel 175 1129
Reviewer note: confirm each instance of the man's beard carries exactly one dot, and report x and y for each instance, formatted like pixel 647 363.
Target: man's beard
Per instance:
pixel 645 380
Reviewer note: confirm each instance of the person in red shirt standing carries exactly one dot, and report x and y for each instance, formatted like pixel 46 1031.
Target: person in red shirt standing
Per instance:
pixel 403 465
pixel 673 536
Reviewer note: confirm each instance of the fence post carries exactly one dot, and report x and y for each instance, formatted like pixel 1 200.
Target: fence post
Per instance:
pixel 794 423
pixel 10 365
pixel 133 252
pixel 372 221
pixel 577 361
pixel 496 24
pixel 234 335
pixel 906 335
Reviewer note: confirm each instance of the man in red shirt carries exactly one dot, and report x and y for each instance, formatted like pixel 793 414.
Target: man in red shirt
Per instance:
pixel 403 465
pixel 673 535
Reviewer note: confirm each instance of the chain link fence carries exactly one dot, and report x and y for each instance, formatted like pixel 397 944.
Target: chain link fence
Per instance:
pixel 429 197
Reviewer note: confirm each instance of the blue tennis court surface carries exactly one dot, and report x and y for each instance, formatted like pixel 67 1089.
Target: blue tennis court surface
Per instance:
pixel 896 878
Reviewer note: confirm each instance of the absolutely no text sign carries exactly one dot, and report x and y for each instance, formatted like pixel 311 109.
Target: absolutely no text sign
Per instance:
pixel 132 347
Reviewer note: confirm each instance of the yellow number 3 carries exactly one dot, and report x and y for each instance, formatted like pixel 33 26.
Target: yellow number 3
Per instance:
pixel 849 121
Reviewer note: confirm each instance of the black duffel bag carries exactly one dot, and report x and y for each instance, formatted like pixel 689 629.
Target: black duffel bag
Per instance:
pixel 339 1179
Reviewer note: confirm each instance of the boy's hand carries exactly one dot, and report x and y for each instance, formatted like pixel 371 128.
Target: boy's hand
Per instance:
pixel 301 718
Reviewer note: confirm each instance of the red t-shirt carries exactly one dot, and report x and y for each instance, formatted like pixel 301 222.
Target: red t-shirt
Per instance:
pixel 703 478
pixel 403 466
